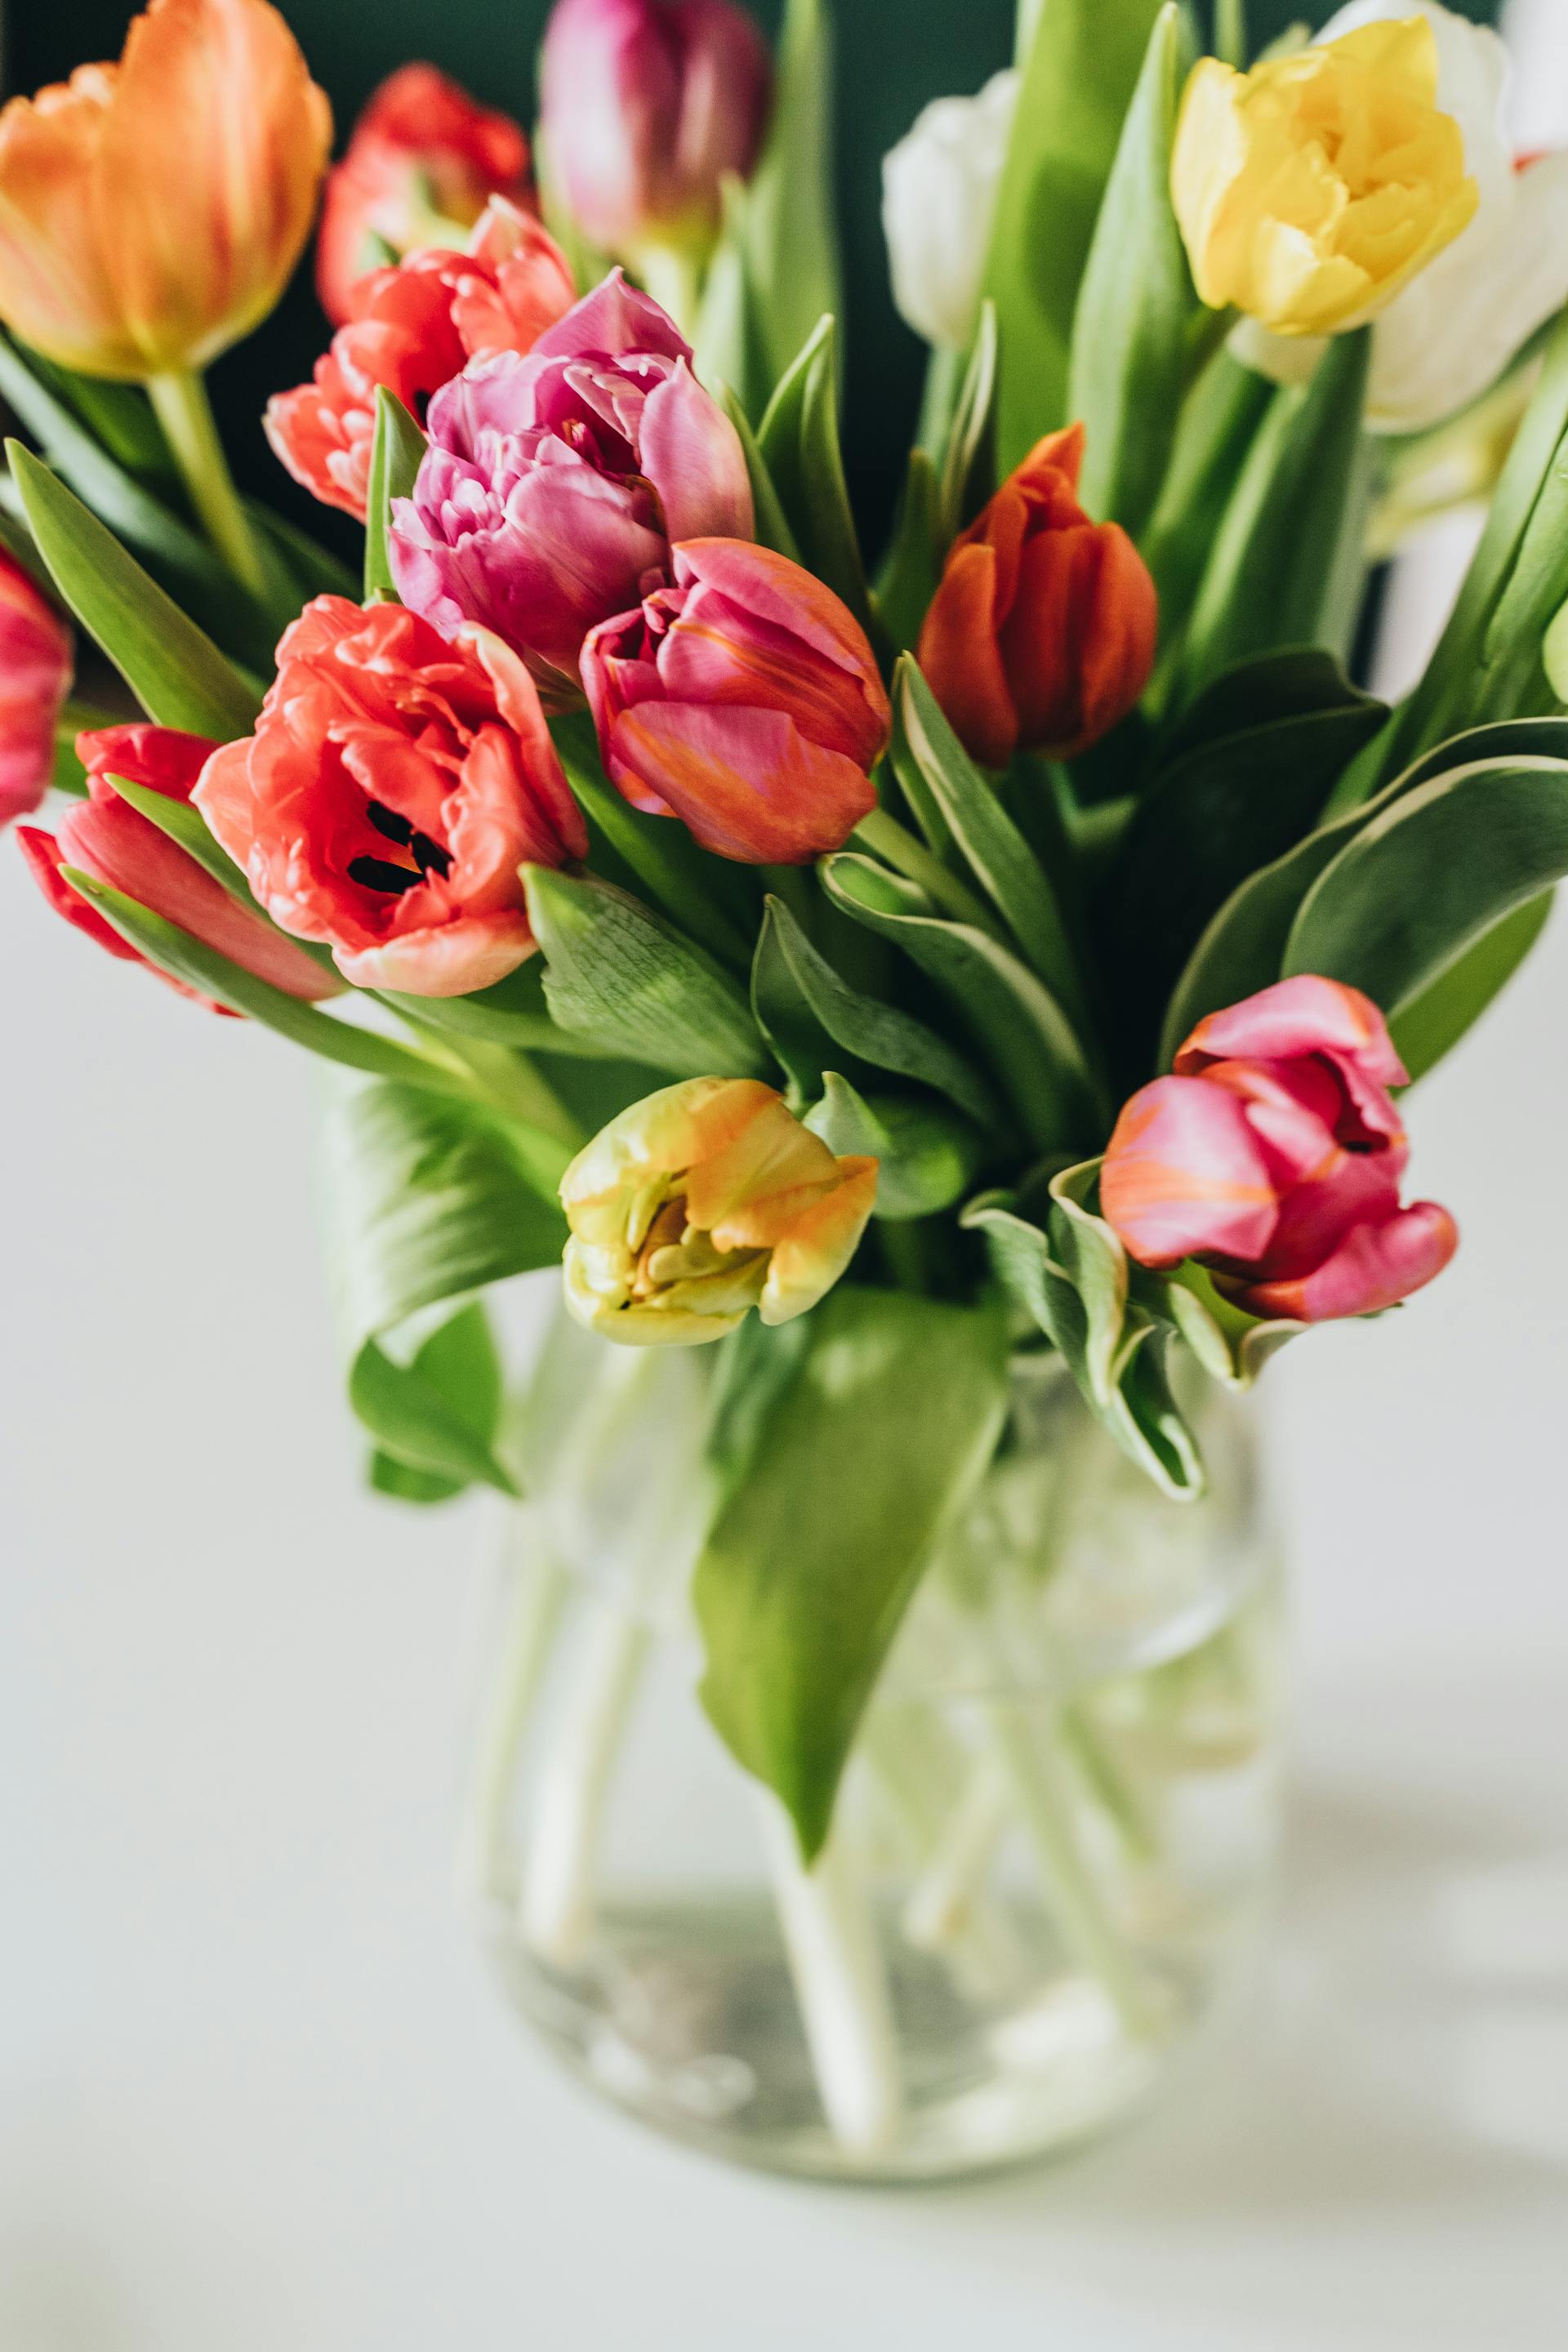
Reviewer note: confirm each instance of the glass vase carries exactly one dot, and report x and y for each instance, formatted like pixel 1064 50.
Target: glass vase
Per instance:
pixel 1052 1847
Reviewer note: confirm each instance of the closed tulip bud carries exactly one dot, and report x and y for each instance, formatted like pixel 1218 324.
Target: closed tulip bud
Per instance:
pixel 700 1202
pixel 154 210
pixel 939 200
pixel 745 700
pixel 107 839
pixel 422 163
pixel 1311 189
pixel 1041 635
pixel 646 107
pixel 35 678
pixel 1275 1156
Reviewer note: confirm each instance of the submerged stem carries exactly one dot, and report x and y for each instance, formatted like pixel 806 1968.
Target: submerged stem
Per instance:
pixel 485 1865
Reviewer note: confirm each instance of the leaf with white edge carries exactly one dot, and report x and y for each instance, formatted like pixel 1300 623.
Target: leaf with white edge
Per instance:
pixel 772 522
pixel 1429 1029
pixel 1231 1346
pixel 927 1157
pixel 798 438
pixel 908 580
pixel 395 456
pixel 964 453
pixel 1095 1263
pixel 860 1462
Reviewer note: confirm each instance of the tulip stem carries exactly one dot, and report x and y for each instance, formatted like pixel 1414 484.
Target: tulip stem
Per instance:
pixel 897 848
pixel 185 412
pixel 485 1869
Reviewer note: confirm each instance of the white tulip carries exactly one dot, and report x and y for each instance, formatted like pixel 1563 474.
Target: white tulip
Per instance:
pixel 1454 329
pixel 939 194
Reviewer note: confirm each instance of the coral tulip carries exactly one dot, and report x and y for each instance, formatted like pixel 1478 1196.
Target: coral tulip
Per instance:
pixel 393 787
pixel 419 168
pixel 150 213
pixel 645 106
pixel 1275 1157
pixel 413 328
pixel 35 678
pixel 109 840
pixel 704 1201
pixel 1041 635
pixel 555 483
pixel 1311 189
pixel 745 700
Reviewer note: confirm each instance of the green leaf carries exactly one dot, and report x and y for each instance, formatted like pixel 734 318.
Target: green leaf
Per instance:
pixel 1230 41
pixel 860 1462
pixel 908 580
pixel 928 1156
pixel 1130 348
pixel 176 671
pixel 1231 1346
pixel 314 569
pixel 1430 876
pixel 791 233
pixel 1026 1038
pixel 511 1012
pixel 1430 1028
pixel 997 853
pixel 965 454
pixel 1214 433
pixel 1079 77
pixel 435 1418
pixel 729 341
pixel 394 456
pixel 798 438
pixel 1267 578
pixel 182 822
pixel 772 522
pixel 620 975
pixel 810 1018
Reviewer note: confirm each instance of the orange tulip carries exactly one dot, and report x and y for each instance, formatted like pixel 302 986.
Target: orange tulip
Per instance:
pixel 151 212
pixel 1041 636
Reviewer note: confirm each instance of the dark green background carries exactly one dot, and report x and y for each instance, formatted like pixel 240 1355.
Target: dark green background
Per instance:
pixel 893 56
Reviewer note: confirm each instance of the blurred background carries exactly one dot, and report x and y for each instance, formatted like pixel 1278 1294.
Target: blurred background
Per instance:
pixel 256 2091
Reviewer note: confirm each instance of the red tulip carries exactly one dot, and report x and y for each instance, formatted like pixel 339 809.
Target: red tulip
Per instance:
pixel 1041 635
pixel 422 162
pixel 413 328
pixel 106 838
pixel 745 700
pixel 1275 1157
pixel 35 678
pixel 393 787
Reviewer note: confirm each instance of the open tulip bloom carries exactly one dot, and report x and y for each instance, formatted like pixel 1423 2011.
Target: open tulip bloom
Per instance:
pixel 1017 940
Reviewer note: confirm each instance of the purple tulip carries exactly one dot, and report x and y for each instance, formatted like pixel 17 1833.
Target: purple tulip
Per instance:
pixel 556 481
pixel 646 107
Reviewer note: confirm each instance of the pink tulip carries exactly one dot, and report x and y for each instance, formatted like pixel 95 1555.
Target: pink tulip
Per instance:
pixel 35 678
pixel 646 107
pixel 745 700
pixel 1275 1156
pixel 111 842
pixel 555 483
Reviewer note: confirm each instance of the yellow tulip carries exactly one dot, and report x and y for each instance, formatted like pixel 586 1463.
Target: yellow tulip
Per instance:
pixel 700 1202
pixel 1311 189
pixel 151 212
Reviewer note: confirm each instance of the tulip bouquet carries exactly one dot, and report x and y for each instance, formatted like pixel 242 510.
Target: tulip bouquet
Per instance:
pixel 894 971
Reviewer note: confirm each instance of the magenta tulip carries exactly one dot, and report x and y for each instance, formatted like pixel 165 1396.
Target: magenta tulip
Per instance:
pixel 1274 1155
pixel 646 107
pixel 555 482
pixel 745 700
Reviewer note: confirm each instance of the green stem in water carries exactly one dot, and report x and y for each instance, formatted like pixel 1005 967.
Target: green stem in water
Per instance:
pixel 185 412
pixel 897 848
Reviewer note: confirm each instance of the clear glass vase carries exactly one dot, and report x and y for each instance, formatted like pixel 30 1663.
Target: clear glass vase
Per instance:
pixel 1050 1850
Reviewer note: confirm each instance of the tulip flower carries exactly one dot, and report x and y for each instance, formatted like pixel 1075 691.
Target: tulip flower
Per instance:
pixel 1274 1155
pixel 939 199
pixel 423 162
pixel 107 839
pixel 1311 190
pixel 413 328
pixel 745 701
pixel 393 787
pixel 1041 635
pixel 1453 330
pixel 645 106
pixel 704 1201
pixel 35 678
pixel 555 483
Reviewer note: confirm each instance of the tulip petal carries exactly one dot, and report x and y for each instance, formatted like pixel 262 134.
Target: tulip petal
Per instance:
pixel 692 455
pixel 961 659
pixel 614 318
pixel 1374 1267
pixel 447 960
pixel 1307 1014
pixel 1184 1175
pixel 811 1256
pixel 746 782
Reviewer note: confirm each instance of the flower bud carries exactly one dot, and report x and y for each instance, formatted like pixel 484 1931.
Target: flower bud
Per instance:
pixel 1041 636
pixel 645 107
pixel 423 162
pixel 939 200
pixel 1275 1156
pixel 745 701
pixel 113 842
pixel 704 1201
pixel 35 678
pixel 154 210
pixel 1311 189
pixel 555 483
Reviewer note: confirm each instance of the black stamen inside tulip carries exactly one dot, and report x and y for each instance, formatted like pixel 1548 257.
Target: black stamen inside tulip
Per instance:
pixel 430 854
pixel 388 823
pixel 380 873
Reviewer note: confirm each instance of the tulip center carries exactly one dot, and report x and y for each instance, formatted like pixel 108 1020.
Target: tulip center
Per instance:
pixel 674 1250
pixel 383 873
